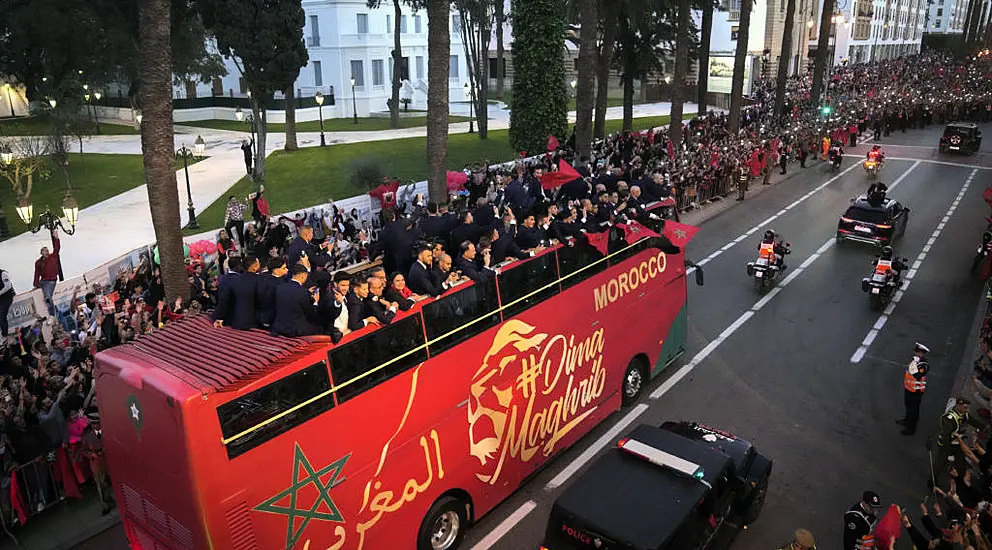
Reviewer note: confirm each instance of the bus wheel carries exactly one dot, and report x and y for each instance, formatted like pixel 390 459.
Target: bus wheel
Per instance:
pixel 633 382
pixel 444 525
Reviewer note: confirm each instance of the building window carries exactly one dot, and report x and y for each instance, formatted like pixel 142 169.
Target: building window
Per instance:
pixel 318 74
pixel 420 66
pixel 493 66
pixel 363 23
pixel 936 24
pixel 416 24
pixel 358 72
pixel 403 24
pixel 940 12
pixel 389 23
pixel 314 32
pixel 377 72
pixel 453 64
pixel 456 24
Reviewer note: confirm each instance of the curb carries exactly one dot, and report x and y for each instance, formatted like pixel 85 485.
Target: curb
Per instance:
pixel 713 208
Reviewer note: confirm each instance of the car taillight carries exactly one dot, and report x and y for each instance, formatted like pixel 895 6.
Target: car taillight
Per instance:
pixel 847 220
pixel 883 226
pixel 623 442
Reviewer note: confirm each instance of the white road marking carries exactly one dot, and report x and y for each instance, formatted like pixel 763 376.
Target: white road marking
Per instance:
pixel 505 526
pixel 884 317
pixel 944 162
pixel 590 452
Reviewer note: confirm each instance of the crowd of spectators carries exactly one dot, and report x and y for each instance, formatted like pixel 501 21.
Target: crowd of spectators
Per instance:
pixel 496 214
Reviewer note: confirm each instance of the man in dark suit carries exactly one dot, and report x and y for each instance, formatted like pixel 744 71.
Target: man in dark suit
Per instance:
pixel 516 196
pixel 533 183
pixel 296 307
pixel 564 226
pixel 236 298
pixel 381 309
pixel 442 269
pixel 265 297
pixel 315 256
pixel 466 231
pixel 503 247
pixel 475 270
pixel 529 235
pixel 332 309
pixel 397 245
pixel 419 278
pixel 433 225
pixel 358 315
pixel 484 213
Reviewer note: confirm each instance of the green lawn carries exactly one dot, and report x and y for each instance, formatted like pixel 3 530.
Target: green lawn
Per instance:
pixel 94 178
pixel 330 125
pixel 314 175
pixel 40 126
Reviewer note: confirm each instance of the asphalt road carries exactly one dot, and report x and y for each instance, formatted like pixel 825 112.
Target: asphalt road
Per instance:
pixel 777 368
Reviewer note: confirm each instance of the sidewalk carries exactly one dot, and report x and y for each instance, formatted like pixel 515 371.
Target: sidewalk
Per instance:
pixel 122 223
pixel 63 526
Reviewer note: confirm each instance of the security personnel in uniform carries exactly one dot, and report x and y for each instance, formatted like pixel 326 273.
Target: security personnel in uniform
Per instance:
pixel 914 383
pixel 859 523
pixel 802 539
pixel 950 440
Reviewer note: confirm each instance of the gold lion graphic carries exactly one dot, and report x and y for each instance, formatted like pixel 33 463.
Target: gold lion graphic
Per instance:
pixel 492 391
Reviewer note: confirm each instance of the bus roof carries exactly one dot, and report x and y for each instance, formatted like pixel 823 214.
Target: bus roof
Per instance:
pixel 209 358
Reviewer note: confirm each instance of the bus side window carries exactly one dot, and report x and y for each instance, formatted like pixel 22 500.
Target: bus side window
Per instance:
pixel 452 311
pixel 378 356
pixel 523 280
pixel 252 409
pixel 578 259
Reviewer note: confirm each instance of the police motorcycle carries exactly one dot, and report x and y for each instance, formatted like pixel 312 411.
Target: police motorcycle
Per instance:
pixel 768 267
pixel 884 281
pixel 873 164
pixel 985 248
pixel 836 157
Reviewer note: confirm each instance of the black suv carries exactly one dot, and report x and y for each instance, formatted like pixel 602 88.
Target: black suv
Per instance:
pixel 876 222
pixel 961 137
pixel 680 486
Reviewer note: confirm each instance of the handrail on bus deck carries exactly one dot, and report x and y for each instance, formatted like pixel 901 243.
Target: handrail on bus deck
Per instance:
pixel 335 388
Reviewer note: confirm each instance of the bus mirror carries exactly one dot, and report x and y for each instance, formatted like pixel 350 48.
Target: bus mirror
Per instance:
pixel 699 276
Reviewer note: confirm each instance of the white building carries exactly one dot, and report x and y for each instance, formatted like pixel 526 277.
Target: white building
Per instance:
pixel 946 16
pixel 867 30
pixel 346 40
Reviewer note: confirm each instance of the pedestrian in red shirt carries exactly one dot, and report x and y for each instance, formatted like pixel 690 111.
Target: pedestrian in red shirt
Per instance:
pixel 46 271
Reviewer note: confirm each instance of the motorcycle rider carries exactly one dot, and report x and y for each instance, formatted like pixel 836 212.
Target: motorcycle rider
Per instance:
pixel 836 154
pixel 887 263
pixel 876 155
pixel 780 250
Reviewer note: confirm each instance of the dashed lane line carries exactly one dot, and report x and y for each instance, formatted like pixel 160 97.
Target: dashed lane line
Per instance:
pixel 908 277
pixel 505 526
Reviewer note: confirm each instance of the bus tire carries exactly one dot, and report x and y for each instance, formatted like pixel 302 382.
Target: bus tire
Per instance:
pixel 444 525
pixel 633 382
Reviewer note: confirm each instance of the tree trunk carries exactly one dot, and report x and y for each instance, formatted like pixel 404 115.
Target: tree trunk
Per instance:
pixel 628 102
pixel 500 48
pixel 394 99
pixel 482 76
pixel 681 70
pixel 291 118
pixel 974 18
pixel 438 70
pixel 822 47
pixel 157 147
pixel 261 134
pixel 705 34
pixel 740 59
pixel 783 58
pixel 586 86
pixel 610 23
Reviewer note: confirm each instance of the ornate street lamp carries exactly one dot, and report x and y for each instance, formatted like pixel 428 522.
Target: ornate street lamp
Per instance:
pixel 354 102
pixel 185 154
pixel 250 119
pixel 199 146
pixel 49 220
pixel 52 102
pixel 319 98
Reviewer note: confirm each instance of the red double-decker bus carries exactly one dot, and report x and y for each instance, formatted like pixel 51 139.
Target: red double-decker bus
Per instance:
pixel 398 437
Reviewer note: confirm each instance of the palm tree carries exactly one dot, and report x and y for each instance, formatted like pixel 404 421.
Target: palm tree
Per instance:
pixel 681 69
pixel 642 36
pixel 705 33
pixel 500 19
pixel 822 44
pixel 157 148
pixel 740 58
pixel 586 85
pixel 397 56
pixel 290 94
pixel 783 58
pixel 438 70
pixel 608 16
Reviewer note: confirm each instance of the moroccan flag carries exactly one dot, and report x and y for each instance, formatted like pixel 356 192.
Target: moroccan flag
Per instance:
pixel 599 241
pixel 889 528
pixel 65 475
pixel 679 233
pixel 565 174
pixel 987 195
pixel 552 143
pixel 17 499
pixel 634 232
pixel 671 149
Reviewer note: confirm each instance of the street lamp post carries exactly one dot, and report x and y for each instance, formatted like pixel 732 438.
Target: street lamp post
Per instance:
pixel 96 114
pixel 319 98
pixel 250 119
pixel 185 154
pixel 6 160
pixel 467 91
pixel 354 102
pixel 49 220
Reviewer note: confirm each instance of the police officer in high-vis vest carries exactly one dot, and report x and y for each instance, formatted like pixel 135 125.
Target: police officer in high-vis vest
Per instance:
pixel 914 383
pixel 951 447
pixel 859 522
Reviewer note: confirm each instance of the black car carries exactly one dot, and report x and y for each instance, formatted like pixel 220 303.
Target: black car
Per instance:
pixel 679 486
pixel 876 222
pixel 961 137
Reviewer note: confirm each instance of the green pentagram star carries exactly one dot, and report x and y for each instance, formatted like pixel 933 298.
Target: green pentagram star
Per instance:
pixel 679 234
pixel 292 512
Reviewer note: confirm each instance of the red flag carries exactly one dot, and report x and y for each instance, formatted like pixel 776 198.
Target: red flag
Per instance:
pixel 65 475
pixel 565 174
pixel 17 501
pixel 634 231
pixel 671 149
pixel 599 241
pixel 679 233
pixel 889 528
pixel 552 143
pixel 987 195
